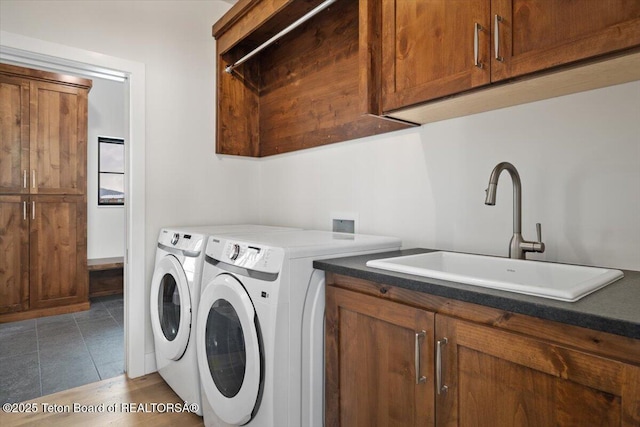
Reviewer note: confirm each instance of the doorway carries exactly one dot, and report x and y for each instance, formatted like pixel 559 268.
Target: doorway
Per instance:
pixel 30 52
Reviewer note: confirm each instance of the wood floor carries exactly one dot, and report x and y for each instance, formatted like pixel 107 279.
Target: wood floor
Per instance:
pixel 143 401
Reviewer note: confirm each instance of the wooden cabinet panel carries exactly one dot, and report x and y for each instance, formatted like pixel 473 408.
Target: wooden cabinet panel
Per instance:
pixel 538 34
pixel 58 251
pixel 371 350
pixel 14 247
pixel 498 368
pixel 237 127
pixel 14 134
pixel 428 49
pixel 332 78
pixel 500 378
pixel 58 138
pixel 300 92
pixel 43 160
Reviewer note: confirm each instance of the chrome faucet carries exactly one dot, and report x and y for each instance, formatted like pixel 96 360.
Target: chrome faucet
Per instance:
pixel 518 247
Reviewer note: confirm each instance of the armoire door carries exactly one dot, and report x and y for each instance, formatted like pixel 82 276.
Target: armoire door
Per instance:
pixel 58 139
pixel 14 135
pixel 14 247
pixel 58 247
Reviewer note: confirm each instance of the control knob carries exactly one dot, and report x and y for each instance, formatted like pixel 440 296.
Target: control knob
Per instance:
pixel 175 238
pixel 235 252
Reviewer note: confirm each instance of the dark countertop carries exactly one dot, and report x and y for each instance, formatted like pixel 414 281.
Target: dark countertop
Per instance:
pixel 614 308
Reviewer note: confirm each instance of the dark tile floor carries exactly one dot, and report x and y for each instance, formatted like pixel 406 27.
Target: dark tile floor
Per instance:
pixel 50 354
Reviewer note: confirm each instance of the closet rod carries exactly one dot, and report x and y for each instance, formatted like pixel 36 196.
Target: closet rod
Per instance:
pixel 294 25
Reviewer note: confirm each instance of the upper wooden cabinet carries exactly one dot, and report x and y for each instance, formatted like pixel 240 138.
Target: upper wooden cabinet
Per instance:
pixel 534 35
pixel 339 75
pixel 431 49
pixel 300 92
pixel 44 132
pixel 428 49
pixel 58 139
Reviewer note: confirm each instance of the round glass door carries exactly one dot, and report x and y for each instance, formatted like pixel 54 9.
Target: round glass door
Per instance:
pixel 228 348
pixel 225 348
pixel 170 308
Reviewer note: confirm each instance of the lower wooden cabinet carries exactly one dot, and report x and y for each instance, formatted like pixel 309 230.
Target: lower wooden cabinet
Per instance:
pixel 43 239
pixel 496 378
pixel 58 249
pixel 475 375
pixel 379 362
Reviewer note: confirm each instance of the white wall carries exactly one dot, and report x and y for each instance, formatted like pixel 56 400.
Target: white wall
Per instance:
pixel 186 183
pixel 578 158
pixel 105 224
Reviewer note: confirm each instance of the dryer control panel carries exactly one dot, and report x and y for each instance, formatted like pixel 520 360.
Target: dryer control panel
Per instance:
pixel 241 254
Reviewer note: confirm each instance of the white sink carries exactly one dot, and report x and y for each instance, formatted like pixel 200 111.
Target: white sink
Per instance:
pixel 543 279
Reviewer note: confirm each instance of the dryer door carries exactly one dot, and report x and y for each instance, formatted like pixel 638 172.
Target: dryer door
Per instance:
pixel 170 308
pixel 229 350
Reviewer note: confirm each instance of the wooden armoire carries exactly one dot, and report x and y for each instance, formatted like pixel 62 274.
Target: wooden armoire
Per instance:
pixel 43 206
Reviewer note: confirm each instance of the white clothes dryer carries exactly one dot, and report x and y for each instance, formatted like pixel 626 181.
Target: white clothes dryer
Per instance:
pixel 175 293
pixel 260 325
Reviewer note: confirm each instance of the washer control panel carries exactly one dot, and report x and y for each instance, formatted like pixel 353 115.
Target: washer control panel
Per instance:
pixel 235 251
pixel 250 256
pixel 181 241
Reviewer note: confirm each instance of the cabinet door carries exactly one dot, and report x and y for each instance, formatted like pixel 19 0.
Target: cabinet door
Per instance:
pixel 375 350
pixel 535 35
pixel 497 378
pixel 14 135
pixel 428 49
pixel 58 251
pixel 58 139
pixel 14 247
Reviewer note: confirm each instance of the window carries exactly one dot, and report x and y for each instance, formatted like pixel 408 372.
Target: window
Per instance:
pixel 110 171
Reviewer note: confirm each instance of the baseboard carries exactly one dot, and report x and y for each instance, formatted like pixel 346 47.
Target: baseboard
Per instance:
pixel 42 312
pixel 150 363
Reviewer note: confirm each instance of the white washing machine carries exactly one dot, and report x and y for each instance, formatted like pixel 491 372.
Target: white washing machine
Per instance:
pixel 175 293
pixel 260 325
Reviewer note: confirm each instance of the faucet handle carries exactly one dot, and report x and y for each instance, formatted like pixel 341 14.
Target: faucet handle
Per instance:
pixel 539 245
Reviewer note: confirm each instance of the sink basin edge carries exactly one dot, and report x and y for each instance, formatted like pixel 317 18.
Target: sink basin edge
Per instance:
pixel 580 280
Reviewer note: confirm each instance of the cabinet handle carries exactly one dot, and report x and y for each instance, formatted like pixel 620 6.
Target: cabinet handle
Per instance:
pixel 33 178
pixel 33 210
pixel 441 388
pixel 24 210
pixel 24 179
pixel 496 38
pixel 419 379
pixel 476 30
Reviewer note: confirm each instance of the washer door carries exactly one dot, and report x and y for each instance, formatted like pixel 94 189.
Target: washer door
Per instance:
pixel 170 308
pixel 228 348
